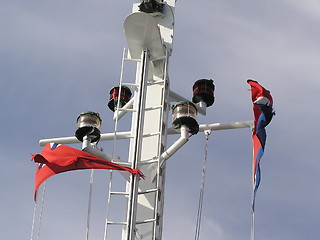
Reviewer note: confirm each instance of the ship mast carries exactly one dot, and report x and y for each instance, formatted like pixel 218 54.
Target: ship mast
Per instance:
pixel 149 35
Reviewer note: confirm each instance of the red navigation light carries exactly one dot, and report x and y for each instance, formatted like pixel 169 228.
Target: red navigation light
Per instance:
pixel 125 96
pixel 203 91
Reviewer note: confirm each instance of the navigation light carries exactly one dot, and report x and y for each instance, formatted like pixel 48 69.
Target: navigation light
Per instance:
pixel 88 124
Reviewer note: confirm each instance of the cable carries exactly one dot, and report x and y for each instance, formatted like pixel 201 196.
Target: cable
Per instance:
pixel 33 219
pixel 199 215
pixel 42 206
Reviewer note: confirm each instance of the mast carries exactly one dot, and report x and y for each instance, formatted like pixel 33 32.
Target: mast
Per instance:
pixel 149 35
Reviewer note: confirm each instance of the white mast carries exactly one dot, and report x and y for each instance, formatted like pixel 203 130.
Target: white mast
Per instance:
pixel 149 37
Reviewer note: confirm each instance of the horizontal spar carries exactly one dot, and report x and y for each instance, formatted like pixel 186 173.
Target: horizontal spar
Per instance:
pixel 71 140
pixel 225 126
pixel 170 131
pixel 218 126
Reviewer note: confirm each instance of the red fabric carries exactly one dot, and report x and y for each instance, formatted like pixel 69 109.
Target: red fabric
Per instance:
pixel 258 91
pixel 64 158
pixel 263 113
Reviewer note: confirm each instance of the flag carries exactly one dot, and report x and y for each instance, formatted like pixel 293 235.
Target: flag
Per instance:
pixel 263 113
pixel 57 158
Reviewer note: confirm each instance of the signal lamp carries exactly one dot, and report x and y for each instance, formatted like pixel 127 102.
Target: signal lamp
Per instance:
pixel 125 96
pixel 151 6
pixel 203 91
pixel 185 113
pixel 88 124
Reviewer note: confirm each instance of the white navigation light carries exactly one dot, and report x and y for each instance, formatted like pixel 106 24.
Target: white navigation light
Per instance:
pixel 88 124
pixel 185 113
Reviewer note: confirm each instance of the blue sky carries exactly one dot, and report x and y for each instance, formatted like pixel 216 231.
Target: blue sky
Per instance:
pixel 60 58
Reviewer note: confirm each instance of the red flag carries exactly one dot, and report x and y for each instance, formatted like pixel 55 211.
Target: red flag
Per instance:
pixel 263 113
pixel 58 158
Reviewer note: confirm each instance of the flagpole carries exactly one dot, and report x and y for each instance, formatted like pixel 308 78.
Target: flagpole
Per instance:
pixel 252 225
pixel 252 194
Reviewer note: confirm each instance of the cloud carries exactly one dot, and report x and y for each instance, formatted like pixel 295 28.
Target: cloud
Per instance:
pixel 58 59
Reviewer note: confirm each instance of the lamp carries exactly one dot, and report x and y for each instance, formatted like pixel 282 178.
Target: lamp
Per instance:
pixel 151 6
pixel 185 113
pixel 125 96
pixel 88 124
pixel 203 91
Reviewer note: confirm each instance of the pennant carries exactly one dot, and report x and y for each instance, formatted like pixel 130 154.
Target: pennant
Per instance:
pixel 263 113
pixel 57 158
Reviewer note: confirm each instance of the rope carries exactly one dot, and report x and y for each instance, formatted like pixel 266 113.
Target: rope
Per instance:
pixel 199 215
pixel 33 219
pixel 42 207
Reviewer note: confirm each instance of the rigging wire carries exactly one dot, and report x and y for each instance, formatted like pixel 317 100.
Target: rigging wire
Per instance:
pixel 203 177
pixel 42 207
pixel 33 219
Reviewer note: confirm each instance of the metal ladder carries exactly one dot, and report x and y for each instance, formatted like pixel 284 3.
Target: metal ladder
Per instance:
pixel 149 200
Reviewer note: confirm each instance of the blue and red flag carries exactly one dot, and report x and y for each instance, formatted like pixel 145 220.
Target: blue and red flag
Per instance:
pixel 57 158
pixel 263 113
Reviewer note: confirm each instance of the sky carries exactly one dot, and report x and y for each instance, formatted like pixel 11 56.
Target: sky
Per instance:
pixel 61 58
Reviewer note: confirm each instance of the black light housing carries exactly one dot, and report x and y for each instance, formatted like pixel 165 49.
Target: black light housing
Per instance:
pixel 151 6
pixel 185 113
pixel 203 91
pixel 88 124
pixel 125 97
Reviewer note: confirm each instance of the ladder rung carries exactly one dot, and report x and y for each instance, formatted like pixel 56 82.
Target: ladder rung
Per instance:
pixel 126 110
pixel 146 221
pixel 151 134
pixel 148 161
pixel 119 193
pixel 133 59
pixel 116 223
pixel 130 84
pixel 152 108
pixel 157 82
pixel 125 164
pixel 148 191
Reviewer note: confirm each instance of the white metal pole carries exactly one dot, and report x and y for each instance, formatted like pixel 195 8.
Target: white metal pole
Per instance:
pixel 72 140
pixel 85 144
pixel 252 197
pixel 120 112
pixel 136 148
pixel 176 145
pixel 89 204
pixel 170 131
